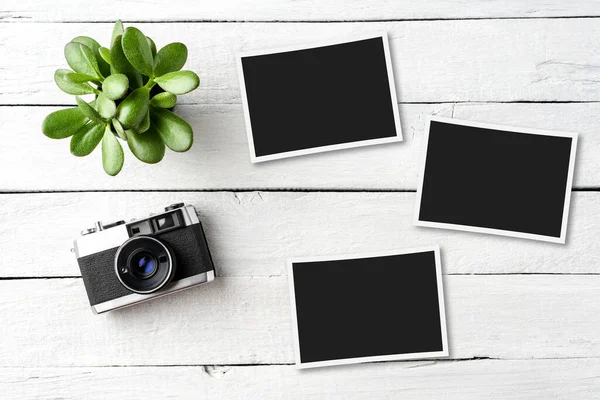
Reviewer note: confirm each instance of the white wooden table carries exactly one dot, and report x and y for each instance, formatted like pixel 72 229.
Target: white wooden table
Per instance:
pixel 523 316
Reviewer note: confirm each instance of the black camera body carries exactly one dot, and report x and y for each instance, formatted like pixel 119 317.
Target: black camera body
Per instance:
pixel 126 263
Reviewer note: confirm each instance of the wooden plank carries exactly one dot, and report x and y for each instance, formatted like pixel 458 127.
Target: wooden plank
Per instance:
pixel 476 379
pixel 252 234
pixel 280 10
pixel 219 158
pixel 246 320
pixel 434 61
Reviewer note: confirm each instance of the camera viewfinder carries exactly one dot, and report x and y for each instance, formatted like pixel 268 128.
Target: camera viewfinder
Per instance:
pixel 167 222
pixel 140 228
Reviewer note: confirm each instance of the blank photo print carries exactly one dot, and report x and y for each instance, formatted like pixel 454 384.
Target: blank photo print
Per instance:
pixel 328 96
pixel 496 179
pixel 368 307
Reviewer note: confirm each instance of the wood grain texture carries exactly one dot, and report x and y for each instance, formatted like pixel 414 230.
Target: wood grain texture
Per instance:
pixel 219 158
pixel 434 61
pixel 251 234
pixel 477 379
pixel 241 320
pixel 531 307
pixel 281 10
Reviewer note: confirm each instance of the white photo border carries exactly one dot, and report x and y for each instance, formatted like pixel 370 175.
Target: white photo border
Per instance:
pixel 393 357
pixel 307 46
pixel 493 231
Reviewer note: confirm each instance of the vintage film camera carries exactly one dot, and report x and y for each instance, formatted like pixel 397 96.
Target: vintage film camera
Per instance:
pixel 126 263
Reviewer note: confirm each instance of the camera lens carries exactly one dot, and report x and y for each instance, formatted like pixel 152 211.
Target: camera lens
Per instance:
pixel 144 264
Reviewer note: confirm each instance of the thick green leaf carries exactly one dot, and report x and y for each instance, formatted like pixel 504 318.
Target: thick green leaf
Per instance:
pixel 170 58
pixel 112 153
pixel 145 124
pixel 181 82
pixel 117 31
pixel 94 46
pixel 174 130
pixel 82 59
pixel 88 41
pixel 133 108
pixel 105 54
pixel 76 77
pixel 63 123
pixel 88 110
pixel 120 65
pixel 164 100
pixel 86 139
pixel 152 46
pixel 106 107
pixel 115 86
pixel 137 50
pixel 71 87
pixel 119 128
pixel 147 147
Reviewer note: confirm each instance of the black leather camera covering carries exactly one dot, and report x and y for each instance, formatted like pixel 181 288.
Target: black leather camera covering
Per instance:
pixel 191 254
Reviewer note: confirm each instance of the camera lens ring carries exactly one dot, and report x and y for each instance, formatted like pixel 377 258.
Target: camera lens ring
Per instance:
pixel 142 263
pixel 165 269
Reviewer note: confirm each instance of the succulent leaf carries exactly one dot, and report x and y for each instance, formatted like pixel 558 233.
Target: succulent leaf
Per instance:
pixel 152 46
pixel 133 108
pixel 180 82
pixel 94 46
pixel 82 59
pixel 120 64
pixel 106 107
pixel 70 87
pixel 88 110
pixel 76 77
pixel 147 147
pixel 115 86
pixel 170 58
pixel 119 129
pixel 117 31
pixel 105 55
pixel 63 123
pixel 87 41
pixel 174 130
pixel 138 51
pixel 145 124
pixel 112 153
pixel 164 100
pixel 86 139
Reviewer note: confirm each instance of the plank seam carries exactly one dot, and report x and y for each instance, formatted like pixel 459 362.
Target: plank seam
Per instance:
pixel 266 365
pixel 31 278
pixel 253 365
pixel 240 190
pixel 26 19
pixel 400 103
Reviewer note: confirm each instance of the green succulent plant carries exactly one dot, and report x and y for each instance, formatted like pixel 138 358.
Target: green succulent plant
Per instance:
pixel 135 86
